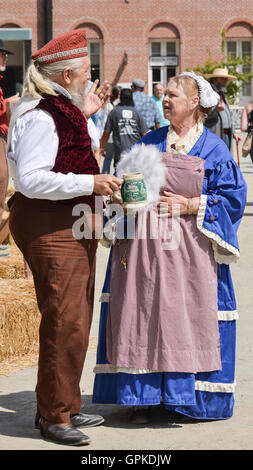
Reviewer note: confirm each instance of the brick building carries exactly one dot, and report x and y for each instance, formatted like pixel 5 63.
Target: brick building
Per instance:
pixel 150 39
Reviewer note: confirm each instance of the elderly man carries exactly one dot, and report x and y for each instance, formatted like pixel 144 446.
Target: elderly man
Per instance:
pixel 219 119
pixel 56 177
pixel 145 105
pixel 5 109
pixel 158 95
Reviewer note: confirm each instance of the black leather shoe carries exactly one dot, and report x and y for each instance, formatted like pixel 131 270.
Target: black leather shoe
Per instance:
pixel 37 420
pixel 77 420
pixel 81 420
pixel 67 436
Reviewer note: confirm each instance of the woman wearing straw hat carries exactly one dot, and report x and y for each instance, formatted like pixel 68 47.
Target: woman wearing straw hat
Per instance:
pixel 219 120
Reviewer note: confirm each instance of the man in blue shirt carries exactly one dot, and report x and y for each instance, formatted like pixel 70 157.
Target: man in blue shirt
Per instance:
pixel 158 95
pixel 145 105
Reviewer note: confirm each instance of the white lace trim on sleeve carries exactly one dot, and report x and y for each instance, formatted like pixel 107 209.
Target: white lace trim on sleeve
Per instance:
pixel 224 253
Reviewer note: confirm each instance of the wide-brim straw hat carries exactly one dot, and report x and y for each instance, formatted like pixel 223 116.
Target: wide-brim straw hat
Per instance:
pixel 220 73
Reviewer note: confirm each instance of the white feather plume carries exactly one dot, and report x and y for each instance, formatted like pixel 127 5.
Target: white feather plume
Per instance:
pixel 145 159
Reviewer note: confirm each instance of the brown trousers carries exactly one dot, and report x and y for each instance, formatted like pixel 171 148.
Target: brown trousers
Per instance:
pixel 4 177
pixel 64 271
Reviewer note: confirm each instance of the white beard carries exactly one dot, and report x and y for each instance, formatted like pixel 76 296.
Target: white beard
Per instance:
pixel 77 99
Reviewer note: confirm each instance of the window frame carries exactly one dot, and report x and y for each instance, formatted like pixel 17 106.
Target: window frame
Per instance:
pixel 101 55
pixel 163 68
pixel 243 99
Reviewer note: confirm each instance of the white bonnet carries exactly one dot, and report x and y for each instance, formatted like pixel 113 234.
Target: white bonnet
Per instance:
pixel 208 97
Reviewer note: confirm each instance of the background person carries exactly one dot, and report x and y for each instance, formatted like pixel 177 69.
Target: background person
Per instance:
pixel 126 124
pixel 92 129
pixel 115 95
pixel 220 119
pixel 158 95
pixel 54 169
pixel 6 105
pixel 96 124
pixel 94 137
pixel 145 105
pixel 109 148
pixel 168 316
pixel 247 122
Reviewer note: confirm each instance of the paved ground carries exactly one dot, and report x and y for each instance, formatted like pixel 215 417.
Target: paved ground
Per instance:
pixel 17 397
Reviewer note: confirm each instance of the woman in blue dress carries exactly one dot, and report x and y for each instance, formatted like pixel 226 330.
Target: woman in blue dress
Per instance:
pixel 200 394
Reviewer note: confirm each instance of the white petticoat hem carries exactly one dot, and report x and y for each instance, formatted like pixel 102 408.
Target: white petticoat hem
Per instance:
pixel 200 385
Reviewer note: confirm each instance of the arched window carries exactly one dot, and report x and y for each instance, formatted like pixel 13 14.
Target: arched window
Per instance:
pixel 95 49
pixel 163 54
pixel 239 43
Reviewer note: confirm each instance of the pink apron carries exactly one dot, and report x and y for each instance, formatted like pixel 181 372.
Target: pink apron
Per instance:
pixel 163 290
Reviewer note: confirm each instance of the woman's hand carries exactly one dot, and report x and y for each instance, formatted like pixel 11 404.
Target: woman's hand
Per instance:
pixel 179 205
pixel 96 98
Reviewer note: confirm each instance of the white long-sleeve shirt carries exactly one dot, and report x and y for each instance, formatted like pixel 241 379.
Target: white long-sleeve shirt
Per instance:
pixel 32 153
pixel 93 133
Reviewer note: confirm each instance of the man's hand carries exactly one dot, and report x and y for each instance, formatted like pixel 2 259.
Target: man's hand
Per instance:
pixel 105 185
pixel 104 91
pixel 96 98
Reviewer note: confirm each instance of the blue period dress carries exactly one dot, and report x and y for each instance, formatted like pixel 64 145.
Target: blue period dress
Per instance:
pixel 202 395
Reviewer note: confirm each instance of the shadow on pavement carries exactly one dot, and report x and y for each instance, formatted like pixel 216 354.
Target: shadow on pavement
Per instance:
pixel 17 413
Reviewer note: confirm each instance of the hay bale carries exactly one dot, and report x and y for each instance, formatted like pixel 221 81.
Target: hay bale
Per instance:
pixel 14 364
pixel 10 191
pixel 19 318
pixel 12 267
pixel 5 235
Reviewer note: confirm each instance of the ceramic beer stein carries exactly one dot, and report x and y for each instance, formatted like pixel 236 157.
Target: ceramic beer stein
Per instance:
pixel 133 191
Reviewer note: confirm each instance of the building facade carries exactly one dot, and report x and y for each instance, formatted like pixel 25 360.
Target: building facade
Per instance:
pixel 148 39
